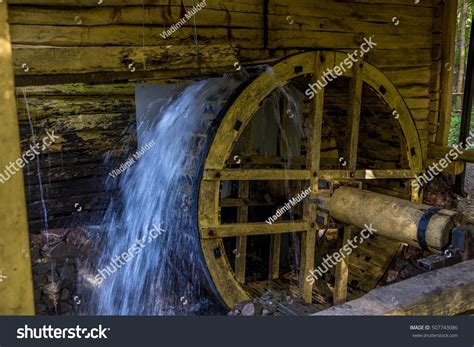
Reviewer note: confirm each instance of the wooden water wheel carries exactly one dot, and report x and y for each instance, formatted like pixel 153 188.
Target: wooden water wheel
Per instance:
pixel 356 131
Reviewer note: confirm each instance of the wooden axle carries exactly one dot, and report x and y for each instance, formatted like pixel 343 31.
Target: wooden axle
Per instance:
pixel 394 218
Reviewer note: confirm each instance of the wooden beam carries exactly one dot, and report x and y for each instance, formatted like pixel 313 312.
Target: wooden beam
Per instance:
pixel 444 292
pixel 82 60
pixel 256 175
pixel 16 284
pixel 448 38
pixel 247 229
pixel 342 268
pixel 244 192
pixel 353 117
pixel 453 168
pixel 439 152
pixel 241 242
pixel 366 174
pixel 274 257
pixel 308 239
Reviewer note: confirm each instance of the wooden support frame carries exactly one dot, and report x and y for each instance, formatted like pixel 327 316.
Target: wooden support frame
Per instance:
pixel 304 175
pixel 450 10
pixel 353 117
pixel 16 284
pixel 342 267
pixel 241 242
pixel 247 229
pixel 237 117
pixel 352 144
pixel 274 257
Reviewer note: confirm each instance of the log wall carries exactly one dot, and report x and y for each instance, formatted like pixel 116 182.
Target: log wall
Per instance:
pixel 118 42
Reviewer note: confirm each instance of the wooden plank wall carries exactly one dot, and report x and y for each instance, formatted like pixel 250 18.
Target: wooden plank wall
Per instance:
pixel 80 41
pixel 95 129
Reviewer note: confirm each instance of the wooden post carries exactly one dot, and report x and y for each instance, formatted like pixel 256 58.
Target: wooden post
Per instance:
pixel 244 191
pixel 16 285
pixel 353 117
pixel 308 238
pixel 447 69
pixel 342 268
pixel 241 246
pixel 274 263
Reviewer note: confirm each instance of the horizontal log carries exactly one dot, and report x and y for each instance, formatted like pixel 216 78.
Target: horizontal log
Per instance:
pixel 121 35
pixel 443 151
pixel 447 292
pixel 64 60
pixel 295 38
pixel 393 218
pixel 365 174
pixel 247 229
pixel 234 5
pixel 281 6
pixel 44 107
pixel 256 175
pixel 79 89
pixel 453 168
pixel 166 16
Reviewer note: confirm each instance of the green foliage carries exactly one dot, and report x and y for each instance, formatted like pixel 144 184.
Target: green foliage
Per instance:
pixel 453 138
pixel 454 129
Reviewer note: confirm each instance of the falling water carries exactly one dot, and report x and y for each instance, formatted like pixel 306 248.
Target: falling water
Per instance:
pixel 167 276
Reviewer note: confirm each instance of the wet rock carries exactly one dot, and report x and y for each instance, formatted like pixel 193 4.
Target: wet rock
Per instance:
pixel 64 308
pixel 67 272
pixel 65 295
pixel 44 266
pixel 391 276
pixel 63 250
pixel 248 309
pixel 40 309
pixel 52 276
pixel 79 239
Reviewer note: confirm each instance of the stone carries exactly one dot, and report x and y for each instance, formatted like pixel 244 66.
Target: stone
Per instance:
pixel 44 266
pixel 391 276
pixel 63 250
pixel 40 309
pixel 65 295
pixel 53 276
pixel 248 309
pixel 67 272
pixel 64 308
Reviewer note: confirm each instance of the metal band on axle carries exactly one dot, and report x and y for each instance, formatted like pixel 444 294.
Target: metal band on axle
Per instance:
pixel 423 225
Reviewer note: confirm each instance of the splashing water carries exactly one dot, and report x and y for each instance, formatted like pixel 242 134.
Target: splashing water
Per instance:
pixel 168 276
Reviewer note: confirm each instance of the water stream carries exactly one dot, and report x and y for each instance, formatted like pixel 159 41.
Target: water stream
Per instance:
pixel 154 219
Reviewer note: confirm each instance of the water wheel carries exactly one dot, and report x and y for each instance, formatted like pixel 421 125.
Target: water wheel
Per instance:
pixel 356 131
